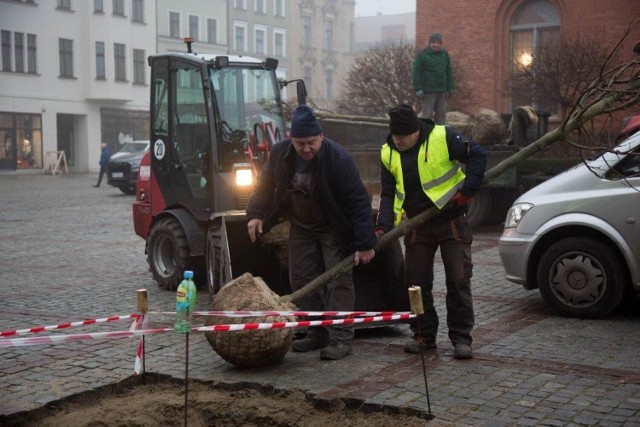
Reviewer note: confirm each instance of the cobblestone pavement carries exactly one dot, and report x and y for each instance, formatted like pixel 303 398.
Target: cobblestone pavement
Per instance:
pixel 69 253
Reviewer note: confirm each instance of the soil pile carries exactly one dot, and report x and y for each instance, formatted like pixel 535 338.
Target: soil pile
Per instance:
pixel 160 401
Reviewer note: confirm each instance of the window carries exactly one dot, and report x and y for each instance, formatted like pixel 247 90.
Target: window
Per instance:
pixel 260 35
pixel 240 4
pixel 306 30
pixel 118 7
pixel 137 11
pixel 138 66
pixel 18 39
pixel 307 74
pixel 66 57
pixel 329 81
pixel 100 61
pixel 174 24
pixel 120 61
pixel 6 50
pixel 21 139
pixel 260 6
pixel 279 43
pixel 534 24
pixel 31 53
pixel 239 37
pixel 212 30
pixel 64 4
pixel 328 35
pixel 278 8
pixel 98 6
pixel 194 27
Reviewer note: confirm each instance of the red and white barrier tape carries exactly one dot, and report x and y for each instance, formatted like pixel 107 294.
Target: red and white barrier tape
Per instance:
pixel 138 364
pixel 55 339
pixel 85 322
pixel 285 313
pixel 304 323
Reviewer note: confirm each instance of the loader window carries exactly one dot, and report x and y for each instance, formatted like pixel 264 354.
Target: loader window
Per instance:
pixel 246 99
pixel 189 130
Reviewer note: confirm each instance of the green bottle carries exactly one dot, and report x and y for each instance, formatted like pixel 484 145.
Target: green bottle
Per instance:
pixel 185 303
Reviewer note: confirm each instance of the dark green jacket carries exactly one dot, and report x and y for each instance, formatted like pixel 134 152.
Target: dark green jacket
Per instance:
pixel 432 71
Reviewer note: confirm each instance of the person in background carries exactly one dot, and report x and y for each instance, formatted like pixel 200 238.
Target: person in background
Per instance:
pixel 421 168
pixel 313 182
pixel 433 79
pixel 105 154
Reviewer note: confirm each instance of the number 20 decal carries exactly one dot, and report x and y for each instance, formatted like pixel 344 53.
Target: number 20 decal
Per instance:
pixel 159 149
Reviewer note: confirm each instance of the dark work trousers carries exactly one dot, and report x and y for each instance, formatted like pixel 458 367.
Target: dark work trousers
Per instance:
pixel 454 240
pixel 103 169
pixel 310 254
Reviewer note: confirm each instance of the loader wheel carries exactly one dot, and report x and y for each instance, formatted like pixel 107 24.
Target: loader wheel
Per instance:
pixel 168 253
pixel 214 275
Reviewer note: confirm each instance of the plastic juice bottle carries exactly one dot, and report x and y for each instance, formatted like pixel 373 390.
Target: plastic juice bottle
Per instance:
pixel 185 303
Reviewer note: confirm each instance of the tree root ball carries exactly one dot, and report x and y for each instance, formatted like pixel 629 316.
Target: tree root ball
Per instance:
pixel 249 348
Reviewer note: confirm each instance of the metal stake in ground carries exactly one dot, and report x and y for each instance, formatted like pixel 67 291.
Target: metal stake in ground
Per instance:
pixel 186 377
pixel 415 298
pixel 143 307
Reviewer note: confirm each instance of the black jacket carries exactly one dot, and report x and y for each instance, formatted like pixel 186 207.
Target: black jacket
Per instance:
pixel 342 194
pixel 461 148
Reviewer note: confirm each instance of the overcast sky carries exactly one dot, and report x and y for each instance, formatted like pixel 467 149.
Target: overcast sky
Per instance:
pixel 387 7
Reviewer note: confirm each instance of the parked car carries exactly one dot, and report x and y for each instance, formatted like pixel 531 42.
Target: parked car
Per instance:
pixel 122 170
pixel 576 237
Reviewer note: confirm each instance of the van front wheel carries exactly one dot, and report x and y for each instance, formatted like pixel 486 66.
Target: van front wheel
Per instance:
pixel 581 277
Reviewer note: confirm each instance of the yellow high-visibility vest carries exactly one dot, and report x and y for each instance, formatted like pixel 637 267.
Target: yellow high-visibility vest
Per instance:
pixel 439 176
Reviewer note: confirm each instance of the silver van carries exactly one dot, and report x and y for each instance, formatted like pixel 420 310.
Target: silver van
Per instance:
pixel 576 237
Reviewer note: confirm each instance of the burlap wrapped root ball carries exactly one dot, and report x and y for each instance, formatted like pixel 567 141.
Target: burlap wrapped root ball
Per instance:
pixel 249 348
pixel 278 237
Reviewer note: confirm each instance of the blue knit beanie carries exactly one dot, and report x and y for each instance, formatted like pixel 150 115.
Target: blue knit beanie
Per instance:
pixel 304 122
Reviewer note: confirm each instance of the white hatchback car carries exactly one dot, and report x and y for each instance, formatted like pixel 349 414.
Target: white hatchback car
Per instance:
pixel 576 237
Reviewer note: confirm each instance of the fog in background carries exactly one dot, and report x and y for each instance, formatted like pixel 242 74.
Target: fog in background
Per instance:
pixel 387 7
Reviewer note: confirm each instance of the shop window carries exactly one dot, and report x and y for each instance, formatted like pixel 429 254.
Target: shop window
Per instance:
pixel 20 141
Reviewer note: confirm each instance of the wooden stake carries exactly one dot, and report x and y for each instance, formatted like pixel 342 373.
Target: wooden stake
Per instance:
pixel 143 306
pixel 415 299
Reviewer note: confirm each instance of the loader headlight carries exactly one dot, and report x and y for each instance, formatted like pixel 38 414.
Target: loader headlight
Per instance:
pixel 243 173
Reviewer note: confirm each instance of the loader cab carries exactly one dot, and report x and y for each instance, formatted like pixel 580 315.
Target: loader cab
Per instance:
pixel 213 121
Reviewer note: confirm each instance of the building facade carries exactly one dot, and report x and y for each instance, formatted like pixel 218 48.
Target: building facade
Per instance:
pixel 373 30
pixel 205 21
pixel 322 50
pixel 73 73
pixel 489 37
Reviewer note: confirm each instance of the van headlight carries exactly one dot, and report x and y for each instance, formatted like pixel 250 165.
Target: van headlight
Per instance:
pixel 515 214
pixel 243 174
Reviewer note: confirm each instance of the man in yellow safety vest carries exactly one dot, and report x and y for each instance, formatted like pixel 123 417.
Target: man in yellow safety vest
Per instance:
pixel 422 167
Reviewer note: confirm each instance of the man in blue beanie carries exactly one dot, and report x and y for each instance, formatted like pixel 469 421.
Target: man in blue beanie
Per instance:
pixel 312 182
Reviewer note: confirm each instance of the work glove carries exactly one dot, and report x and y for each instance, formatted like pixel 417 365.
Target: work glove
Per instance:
pixel 460 199
pixel 419 94
pixel 379 232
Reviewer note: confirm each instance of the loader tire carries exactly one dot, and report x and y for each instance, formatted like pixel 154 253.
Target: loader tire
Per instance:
pixel 168 253
pixel 212 257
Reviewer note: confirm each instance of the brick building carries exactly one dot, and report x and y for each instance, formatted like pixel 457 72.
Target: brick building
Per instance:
pixel 486 37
